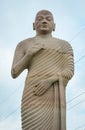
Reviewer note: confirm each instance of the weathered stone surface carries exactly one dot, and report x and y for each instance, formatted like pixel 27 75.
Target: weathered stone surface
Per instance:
pixel 50 64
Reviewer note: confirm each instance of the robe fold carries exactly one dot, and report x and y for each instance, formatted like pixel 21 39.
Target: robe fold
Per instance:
pixel 48 111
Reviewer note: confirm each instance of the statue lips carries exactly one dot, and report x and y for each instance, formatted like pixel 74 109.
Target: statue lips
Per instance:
pixel 44 26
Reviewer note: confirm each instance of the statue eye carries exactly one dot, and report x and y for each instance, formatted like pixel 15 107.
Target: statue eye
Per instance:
pixel 49 18
pixel 39 18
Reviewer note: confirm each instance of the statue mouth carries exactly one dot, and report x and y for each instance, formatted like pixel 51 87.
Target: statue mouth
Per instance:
pixel 44 26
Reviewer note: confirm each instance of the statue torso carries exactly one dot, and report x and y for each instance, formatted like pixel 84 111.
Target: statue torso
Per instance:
pixel 48 61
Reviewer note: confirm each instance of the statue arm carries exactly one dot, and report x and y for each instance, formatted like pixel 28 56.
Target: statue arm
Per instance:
pixel 67 65
pixel 68 70
pixel 20 61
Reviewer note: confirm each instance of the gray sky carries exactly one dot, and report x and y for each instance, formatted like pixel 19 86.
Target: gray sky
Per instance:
pixel 16 18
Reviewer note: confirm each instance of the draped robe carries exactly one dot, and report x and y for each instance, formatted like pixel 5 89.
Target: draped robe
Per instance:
pixel 48 111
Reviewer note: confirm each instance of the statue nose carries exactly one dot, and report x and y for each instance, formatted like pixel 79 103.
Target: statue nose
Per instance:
pixel 44 21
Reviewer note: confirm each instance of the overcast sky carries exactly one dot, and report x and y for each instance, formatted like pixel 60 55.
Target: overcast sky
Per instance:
pixel 16 18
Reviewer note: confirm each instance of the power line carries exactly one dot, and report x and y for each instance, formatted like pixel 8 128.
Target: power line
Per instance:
pixel 11 113
pixel 80 59
pixel 75 97
pixel 74 38
pixel 80 127
pixel 77 34
pixel 4 100
pixel 75 105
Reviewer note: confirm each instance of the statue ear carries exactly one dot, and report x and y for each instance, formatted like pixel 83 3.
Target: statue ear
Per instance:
pixel 33 26
pixel 54 27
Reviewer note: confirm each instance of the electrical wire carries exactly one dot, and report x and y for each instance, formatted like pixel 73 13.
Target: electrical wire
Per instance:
pixel 10 114
pixel 75 105
pixel 75 97
pixel 77 34
pixel 4 100
pixel 80 127
pixel 80 59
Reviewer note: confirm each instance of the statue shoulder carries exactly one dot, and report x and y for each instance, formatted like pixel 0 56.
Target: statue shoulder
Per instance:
pixel 26 43
pixel 64 45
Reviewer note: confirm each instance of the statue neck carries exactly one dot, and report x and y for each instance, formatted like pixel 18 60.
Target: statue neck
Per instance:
pixel 44 35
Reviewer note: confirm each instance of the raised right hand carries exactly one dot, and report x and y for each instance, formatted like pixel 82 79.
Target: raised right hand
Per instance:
pixel 36 48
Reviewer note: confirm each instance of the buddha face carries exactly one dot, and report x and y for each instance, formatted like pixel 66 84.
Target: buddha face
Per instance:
pixel 44 22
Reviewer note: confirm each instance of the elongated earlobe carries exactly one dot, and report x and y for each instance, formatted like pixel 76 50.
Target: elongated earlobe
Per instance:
pixel 33 26
pixel 54 28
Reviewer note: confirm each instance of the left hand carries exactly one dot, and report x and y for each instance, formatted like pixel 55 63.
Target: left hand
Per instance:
pixel 42 87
